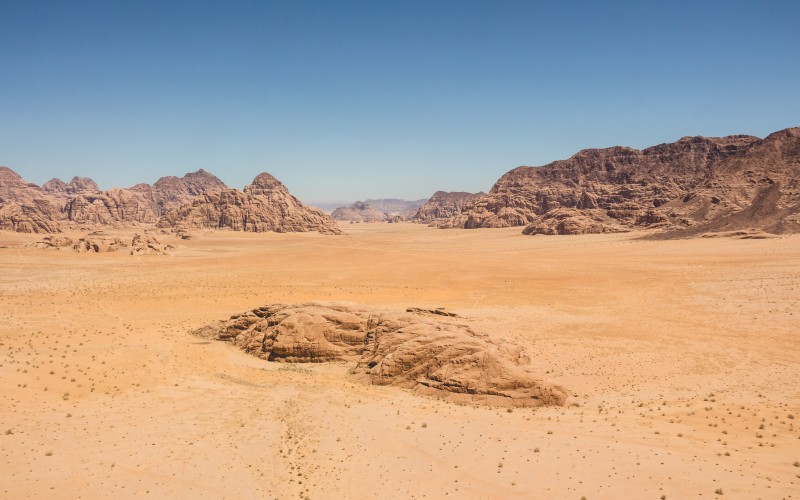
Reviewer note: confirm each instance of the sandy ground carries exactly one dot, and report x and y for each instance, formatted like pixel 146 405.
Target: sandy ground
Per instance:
pixel 683 358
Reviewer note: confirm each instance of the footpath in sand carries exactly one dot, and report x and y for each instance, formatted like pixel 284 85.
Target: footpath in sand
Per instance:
pixel 682 356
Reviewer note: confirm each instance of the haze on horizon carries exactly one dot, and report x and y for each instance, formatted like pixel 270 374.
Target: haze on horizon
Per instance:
pixel 354 100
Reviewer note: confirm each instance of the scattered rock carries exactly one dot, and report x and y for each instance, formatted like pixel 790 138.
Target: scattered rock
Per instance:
pixel 427 353
pixel 439 311
pixel 99 242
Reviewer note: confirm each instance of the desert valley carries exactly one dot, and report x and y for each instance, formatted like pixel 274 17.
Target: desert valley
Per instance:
pixel 620 324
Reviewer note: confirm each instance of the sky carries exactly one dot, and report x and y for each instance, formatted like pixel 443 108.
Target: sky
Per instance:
pixel 346 100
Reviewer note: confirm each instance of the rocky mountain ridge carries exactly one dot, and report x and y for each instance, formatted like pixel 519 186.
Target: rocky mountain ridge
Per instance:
pixel 693 185
pixel 265 205
pixel 443 205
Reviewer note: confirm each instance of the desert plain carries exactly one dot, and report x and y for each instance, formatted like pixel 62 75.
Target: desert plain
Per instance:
pixel 681 359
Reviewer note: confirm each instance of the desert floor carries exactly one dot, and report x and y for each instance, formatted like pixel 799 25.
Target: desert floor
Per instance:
pixel 682 358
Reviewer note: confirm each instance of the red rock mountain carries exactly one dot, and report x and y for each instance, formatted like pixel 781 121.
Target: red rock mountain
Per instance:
pixel 198 200
pixel 264 205
pixel 688 187
pixel 443 205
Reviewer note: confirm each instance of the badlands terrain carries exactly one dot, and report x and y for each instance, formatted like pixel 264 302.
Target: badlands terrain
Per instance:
pixel 679 359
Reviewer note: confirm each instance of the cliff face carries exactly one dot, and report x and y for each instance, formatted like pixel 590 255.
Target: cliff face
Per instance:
pixel 30 208
pixel 694 184
pixel 264 205
pixel 443 205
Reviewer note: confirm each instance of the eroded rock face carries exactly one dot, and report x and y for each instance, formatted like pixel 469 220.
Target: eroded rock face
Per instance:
pixel 573 221
pixel 443 205
pixel 695 184
pixel 99 242
pixel 28 218
pixel 428 353
pixel 147 244
pixel 359 212
pixel 265 205
pixel 80 203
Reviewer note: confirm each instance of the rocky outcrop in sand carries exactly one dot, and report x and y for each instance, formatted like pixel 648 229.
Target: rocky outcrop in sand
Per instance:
pixel 147 244
pixel 692 186
pixel 98 242
pixel 359 212
pixel 443 205
pixel 265 205
pixel 424 351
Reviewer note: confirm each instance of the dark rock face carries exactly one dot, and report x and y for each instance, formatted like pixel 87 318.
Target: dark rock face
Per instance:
pixel 265 205
pixel 443 205
pixel 694 184
pixel 430 354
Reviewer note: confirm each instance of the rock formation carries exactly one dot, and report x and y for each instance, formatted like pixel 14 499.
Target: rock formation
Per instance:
pixel 359 212
pixel 429 353
pixel 28 218
pixel 692 186
pixel 443 205
pixel 99 242
pixel 395 206
pixel 26 207
pixel 264 205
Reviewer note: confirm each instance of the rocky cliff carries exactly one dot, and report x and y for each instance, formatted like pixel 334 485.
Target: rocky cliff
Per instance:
pixel 443 205
pixel 264 205
pixel 693 185
pixel 26 207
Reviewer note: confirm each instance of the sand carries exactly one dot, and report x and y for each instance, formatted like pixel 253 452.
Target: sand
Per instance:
pixel 683 359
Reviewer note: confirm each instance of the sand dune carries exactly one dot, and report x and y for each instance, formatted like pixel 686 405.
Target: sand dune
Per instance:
pixel 682 357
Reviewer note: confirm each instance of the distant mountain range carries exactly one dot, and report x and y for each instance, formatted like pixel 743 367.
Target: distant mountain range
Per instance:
pixel 693 186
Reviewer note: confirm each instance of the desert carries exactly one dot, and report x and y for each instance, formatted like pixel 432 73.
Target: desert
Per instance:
pixel 402 250
pixel 679 357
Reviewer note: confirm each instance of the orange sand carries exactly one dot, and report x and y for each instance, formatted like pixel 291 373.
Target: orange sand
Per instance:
pixel 684 358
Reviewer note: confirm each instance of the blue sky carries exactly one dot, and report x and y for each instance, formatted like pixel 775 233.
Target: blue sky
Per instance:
pixel 356 99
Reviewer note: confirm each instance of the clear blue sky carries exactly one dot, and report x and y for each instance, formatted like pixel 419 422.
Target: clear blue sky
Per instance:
pixel 345 100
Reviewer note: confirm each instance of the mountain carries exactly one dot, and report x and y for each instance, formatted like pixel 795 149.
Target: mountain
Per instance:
pixel 691 186
pixel 443 205
pixel 394 206
pixel 80 203
pixel 264 205
pixel 359 212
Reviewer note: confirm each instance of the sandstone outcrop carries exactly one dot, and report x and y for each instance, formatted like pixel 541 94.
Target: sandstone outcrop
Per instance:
pixel 264 205
pixel 80 203
pixel 147 244
pixel 359 212
pixel 692 186
pixel 99 242
pixel 29 218
pixel 427 353
pixel 443 205
pixel 573 221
